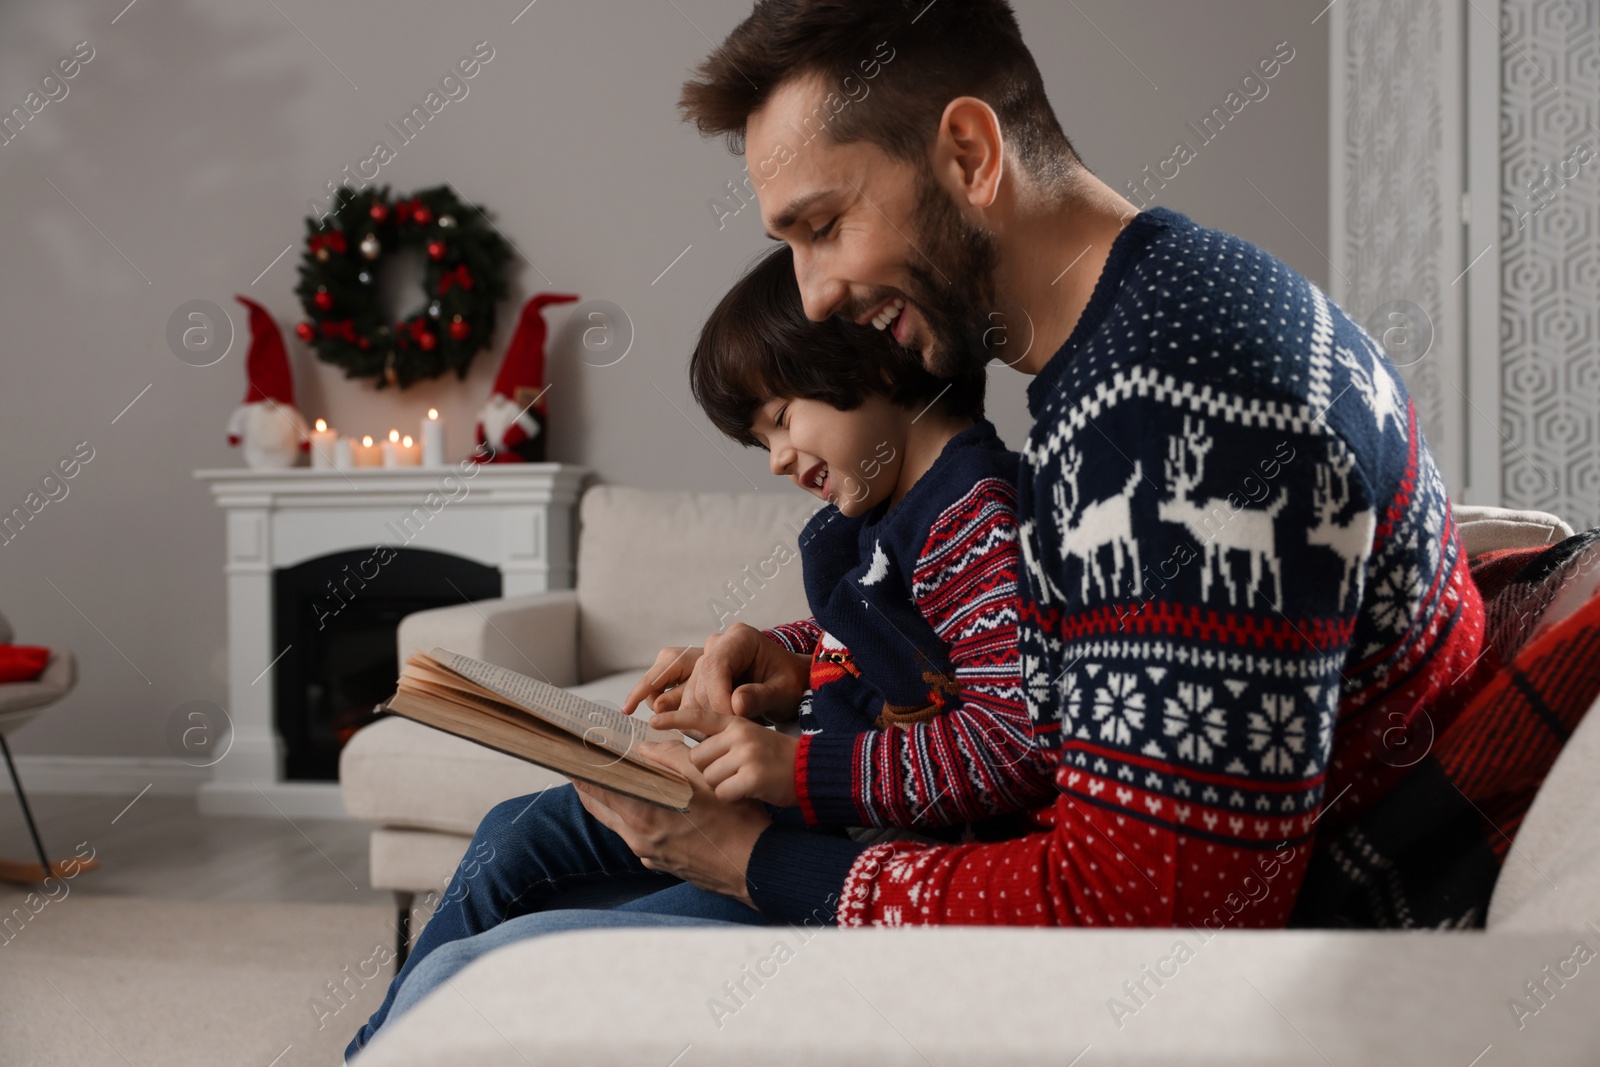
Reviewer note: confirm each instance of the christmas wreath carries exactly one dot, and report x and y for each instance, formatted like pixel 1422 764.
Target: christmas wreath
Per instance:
pixel 463 279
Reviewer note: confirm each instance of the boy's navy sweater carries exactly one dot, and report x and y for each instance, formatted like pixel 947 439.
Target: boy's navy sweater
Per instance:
pixel 914 624
pixel 1242 581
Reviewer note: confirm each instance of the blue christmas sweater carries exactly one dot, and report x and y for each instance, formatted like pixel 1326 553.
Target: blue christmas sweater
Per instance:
pixel 1244 600
pixel 915 716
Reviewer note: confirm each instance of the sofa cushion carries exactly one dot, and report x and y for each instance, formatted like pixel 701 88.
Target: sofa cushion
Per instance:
pixel 1154 998
pixel 400 773
pixel 667 568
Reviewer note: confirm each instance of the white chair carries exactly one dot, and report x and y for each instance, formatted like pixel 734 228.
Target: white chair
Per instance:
pixel 20 703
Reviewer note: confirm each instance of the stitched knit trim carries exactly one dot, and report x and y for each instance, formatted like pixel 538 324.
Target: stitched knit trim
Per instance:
pixel 1125 248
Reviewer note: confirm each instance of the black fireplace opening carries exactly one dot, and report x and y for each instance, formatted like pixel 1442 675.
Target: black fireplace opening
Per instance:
pixel 337 616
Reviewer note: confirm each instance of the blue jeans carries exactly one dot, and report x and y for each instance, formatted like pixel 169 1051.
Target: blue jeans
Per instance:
pixel 542 854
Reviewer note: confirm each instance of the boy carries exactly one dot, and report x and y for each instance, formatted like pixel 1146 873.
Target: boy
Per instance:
pixel 911 577
pixel 922 548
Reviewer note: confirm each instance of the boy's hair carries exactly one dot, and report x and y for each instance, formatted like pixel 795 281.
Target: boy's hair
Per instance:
pixel 758 344
pixel 890 67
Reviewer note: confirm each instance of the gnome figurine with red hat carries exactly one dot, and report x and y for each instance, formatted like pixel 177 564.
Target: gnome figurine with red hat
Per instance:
pixel 272 432
pixel 512 422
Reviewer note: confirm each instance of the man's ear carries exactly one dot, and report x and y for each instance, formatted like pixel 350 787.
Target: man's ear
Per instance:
pixel 969 151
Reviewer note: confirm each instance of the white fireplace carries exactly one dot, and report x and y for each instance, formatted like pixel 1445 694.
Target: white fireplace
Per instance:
pixel 517 517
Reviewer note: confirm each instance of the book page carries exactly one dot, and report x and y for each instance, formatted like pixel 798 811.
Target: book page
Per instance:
pixel 595 724
pixel 525 736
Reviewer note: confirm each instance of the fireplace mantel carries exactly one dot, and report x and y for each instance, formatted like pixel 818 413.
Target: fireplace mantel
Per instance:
pixel 517 517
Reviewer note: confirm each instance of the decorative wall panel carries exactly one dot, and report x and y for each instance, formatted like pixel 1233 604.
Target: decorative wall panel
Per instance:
pixel 1549 253
pixel 1396 191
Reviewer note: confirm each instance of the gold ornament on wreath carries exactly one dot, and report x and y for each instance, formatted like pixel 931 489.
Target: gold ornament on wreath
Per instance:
pixel 463 280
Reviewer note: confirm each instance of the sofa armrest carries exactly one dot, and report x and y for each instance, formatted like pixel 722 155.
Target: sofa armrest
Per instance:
pixel 535 635
pixel 1485 529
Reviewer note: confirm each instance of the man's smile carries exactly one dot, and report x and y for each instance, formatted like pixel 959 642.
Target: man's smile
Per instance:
pixel 895 313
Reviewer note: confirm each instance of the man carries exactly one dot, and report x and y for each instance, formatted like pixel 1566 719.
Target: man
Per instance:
pixel 1245 592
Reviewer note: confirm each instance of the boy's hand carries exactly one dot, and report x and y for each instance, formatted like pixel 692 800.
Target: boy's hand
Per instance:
pixel 738 672
pixel 673 667
pixel 740 760
pixel 770 679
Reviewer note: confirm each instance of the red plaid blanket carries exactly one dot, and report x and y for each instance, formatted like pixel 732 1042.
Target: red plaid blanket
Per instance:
pixel 1428 853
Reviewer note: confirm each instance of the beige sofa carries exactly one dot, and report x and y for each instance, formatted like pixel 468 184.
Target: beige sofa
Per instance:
pixel 648 565
pixel 654 569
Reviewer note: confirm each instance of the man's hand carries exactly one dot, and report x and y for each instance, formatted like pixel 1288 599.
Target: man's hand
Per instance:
pixel 739 672
pixel 740 760
pixel 673 667
pixel 710 846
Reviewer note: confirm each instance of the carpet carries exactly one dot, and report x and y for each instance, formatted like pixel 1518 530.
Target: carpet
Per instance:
pixel 164 983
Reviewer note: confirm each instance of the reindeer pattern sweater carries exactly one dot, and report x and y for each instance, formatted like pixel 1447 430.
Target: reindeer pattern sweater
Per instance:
pixel 1243 599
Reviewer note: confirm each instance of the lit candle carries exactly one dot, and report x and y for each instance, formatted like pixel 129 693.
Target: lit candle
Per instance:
pixel 398 452
pixel 433 439
pixel 365 453
pixel 322 445
pixel 343 458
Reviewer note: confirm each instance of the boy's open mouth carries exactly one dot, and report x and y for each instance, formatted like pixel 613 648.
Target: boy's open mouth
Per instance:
pixel 816 479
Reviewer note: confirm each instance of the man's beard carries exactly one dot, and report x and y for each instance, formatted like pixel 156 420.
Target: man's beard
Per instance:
pixel 953 283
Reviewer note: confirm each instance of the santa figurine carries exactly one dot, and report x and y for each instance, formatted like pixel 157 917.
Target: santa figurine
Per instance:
pixel 512 423
pixel 272 432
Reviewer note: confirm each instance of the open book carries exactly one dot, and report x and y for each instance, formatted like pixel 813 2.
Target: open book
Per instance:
pixel 521 717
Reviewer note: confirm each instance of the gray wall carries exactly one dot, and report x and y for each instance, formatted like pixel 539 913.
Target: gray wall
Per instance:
pixel 186 150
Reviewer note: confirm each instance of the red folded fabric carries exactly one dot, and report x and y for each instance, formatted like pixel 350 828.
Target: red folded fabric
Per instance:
pixel 1427 855
pixel 22 663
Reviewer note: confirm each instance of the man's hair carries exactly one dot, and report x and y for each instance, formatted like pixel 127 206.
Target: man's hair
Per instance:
pixel 758 344
pixel 939 51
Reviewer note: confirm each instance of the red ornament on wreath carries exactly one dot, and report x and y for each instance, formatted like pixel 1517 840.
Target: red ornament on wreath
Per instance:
pixel 306 332
pixel 436 250
pixel 324 246
pixel 512 422
pixel 323 300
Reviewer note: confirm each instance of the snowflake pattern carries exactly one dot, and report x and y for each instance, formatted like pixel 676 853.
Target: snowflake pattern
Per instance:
pixel 1199 725
pixel 1396 596
pixel 1041 693
pixel 1119 708
pixel 1071 695
pixel 1033 676
pixel 1277 733
pixel 1433 516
